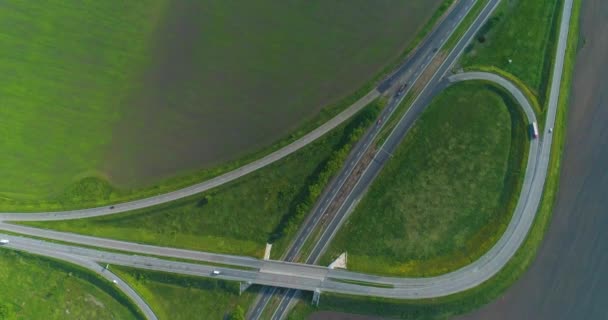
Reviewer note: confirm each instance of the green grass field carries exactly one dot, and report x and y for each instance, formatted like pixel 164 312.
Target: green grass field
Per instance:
pixel 134 93
pixel 448 192
pixel 524 32
pixel 241 216
pixel 183 297
pixel 32 287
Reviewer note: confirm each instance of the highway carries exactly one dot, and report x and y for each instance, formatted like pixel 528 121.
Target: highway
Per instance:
pixel 431 88
pixel 309 277
pixel 409 73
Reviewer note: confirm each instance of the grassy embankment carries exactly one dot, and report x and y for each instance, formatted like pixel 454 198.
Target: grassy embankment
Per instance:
pixel 241 216
pixel 33 287
pixel 442 308
pixel 524 32
pixel 177 297
pixel 84 68
pixel 447 193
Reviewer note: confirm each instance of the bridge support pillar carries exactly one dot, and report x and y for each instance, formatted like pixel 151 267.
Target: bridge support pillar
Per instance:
pixel 316 296
pixel 243 286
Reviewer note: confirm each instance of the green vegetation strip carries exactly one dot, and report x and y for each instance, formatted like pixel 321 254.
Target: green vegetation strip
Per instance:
pixel 442 308
pixel 177 297
pixel 32 287
pixel 241 216
pixel 448 192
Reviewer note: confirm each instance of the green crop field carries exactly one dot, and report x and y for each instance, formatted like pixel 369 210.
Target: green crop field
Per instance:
pixel 241 216
pixel 136 92
pixel 524 32
pixel 183 297
pixel 65 69
pixel 37 288
pixel 448 192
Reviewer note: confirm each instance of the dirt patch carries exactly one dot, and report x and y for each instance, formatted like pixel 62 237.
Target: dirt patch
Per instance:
pixel 568 280
pixel 90 298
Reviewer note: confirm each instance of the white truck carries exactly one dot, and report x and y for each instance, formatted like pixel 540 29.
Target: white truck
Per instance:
pixel 534 130
pixel 4 241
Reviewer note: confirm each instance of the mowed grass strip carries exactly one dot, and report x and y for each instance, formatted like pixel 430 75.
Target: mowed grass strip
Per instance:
pixel 447 193
pixel 173 296
pixel 33 287
pixel 523 32
pixel 64 70
pixel 241 216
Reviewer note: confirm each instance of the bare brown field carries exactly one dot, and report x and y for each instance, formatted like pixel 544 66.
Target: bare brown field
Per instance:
pixel 226 79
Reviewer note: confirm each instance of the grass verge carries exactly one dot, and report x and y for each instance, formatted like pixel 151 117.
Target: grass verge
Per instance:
pixel 448 192
pixel 33 287
pixel 442 308
pixel 173 296
pixel 241 216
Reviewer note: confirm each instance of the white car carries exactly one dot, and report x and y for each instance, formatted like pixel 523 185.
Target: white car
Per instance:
pixel 216 272
pixel 4 241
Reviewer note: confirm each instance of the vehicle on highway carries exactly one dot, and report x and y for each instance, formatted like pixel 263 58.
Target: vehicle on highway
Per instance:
pixel 401 89
pixel 114 281
pixel 534 130
pixel 216 272
pixel 4 241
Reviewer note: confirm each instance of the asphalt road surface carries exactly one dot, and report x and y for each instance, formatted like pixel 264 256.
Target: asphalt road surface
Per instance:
pixel 84 262
pixel 309 277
